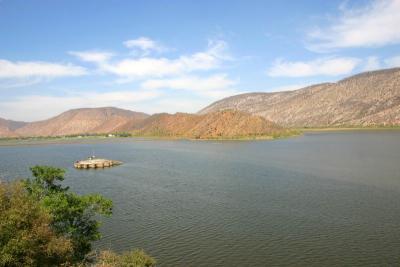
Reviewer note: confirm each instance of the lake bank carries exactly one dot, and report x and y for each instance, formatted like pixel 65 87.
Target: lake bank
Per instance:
pixel 347 128
pixel 91 139
pixel 101 139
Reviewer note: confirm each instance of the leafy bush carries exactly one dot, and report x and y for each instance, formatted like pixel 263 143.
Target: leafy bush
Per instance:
pixel 42 223
pixel 72 215
pixel 26 237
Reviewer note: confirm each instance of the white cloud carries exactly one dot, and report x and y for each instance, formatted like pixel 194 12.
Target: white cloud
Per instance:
pixel 129 69
pixel 374 25
pixel 372 63
pixel 214 86
pixel 144 67
pixel 213 82
pixel 30 108
pixel 184 83
pixel 92 56
pixel 154 96
pixel 38 69
pixel 393 62
pixel 144 44
pixel 21 82
pixel 322 66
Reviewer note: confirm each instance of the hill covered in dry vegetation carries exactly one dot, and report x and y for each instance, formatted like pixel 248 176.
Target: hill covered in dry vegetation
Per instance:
pixel 227 124
pixel 366 99
pixel 8 127
pixel 81 121
pixel 224 124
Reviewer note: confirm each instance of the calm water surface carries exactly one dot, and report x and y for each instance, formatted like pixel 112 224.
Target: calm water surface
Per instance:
pixel 326 199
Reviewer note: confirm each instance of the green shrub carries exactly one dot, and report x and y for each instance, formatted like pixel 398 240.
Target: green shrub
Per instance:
pixel 42 223
pixel 26 237
pixel 73 216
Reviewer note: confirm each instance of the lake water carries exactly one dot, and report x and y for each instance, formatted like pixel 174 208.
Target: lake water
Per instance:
pixel 322 199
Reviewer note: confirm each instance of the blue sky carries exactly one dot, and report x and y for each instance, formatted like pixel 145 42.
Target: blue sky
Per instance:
pixel 170 56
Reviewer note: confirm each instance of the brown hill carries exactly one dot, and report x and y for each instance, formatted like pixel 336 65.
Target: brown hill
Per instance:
pixel 370 98
pixel 7 127
pixel 224 124
pixel 82 121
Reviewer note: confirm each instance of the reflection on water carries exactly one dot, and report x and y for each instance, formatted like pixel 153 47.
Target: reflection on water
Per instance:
pixel 326 199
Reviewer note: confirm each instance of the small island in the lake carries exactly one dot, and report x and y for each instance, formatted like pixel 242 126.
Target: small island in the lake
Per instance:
pixel 94 163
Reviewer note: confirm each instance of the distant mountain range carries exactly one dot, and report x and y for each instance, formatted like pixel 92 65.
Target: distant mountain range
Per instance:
pixel 224 124
pixel 7 127
pixel 370 98
pixel 77 121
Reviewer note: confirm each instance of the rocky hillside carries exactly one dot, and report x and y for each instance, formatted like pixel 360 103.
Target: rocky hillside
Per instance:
pixel 8 127
pixel 82 121
pixel 224 124
pixel 370 98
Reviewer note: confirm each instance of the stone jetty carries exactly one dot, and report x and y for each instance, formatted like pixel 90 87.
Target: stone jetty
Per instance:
pixel 94 163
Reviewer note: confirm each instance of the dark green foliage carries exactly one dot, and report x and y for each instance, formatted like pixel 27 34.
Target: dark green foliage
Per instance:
pixel 45 179
pixel 123 134
pixel 42 223
pixel 72 215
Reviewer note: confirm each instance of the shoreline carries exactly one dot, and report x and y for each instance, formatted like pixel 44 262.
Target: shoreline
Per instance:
pixel 346 129
pixel 96 140
pixel 103 139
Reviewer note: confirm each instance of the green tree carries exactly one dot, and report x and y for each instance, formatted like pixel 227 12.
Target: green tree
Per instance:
pixel 42 223
pixel 73 216
pixel 26 238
